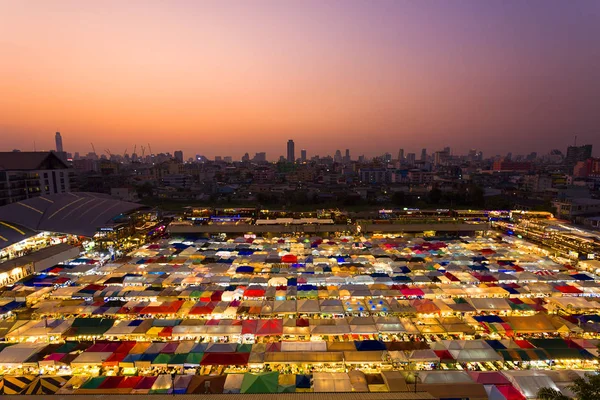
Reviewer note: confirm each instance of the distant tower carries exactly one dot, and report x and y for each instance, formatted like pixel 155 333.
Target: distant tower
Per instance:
pixel 291 155
pixel 179 155
pixel 58 140
pixel 424 155
pixel 338 156
pixel 303 155
pixel 401 155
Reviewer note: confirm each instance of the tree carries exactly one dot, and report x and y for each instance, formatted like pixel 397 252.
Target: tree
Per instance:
pixel 586 388
pixel 550 394
pixel 435 195
pixel 398 198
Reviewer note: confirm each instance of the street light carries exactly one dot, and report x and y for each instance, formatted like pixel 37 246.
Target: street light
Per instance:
pixel 416 374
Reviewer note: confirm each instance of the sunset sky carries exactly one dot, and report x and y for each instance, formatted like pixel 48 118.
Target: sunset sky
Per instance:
pixel 227 77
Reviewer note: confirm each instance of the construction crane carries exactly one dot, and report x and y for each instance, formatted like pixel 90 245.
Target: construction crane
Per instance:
pixel 125 153
pixel 149 149
pixel 143 151
pixel 134 149
pixel 93 148
pixel 107 151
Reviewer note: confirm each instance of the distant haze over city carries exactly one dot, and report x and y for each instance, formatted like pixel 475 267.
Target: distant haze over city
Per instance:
pixel 226 78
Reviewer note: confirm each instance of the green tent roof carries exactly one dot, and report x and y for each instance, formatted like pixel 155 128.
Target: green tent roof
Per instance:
pixel 260 383
pixel 93 383
pixel 244 348
pixel 193 358
pixel 162 358
pixel 178 359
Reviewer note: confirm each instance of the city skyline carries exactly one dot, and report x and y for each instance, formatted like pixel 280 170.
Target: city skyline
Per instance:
pixel 217 79
pixel 289 154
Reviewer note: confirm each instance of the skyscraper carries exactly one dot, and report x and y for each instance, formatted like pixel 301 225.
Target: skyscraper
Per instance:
pixel 576 154
pixel 401 155
pixel 179 155
pixel 303 155
pixel 347 156
pixel 58 140
pixel 338 156
pixel 424 155
pixel 291 155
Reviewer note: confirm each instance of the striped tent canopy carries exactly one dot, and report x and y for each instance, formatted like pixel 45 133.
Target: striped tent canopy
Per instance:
pixel 46 384
pixel 15 384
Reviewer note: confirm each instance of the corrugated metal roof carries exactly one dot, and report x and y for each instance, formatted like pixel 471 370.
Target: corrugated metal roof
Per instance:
pixel 11 233
pixel 73 213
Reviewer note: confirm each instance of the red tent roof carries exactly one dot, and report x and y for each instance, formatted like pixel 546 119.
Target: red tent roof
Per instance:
pixel 289 258
pixel 524 344
pixel 146 382
pixel 113 359
pixel 225 359
pixel 249 326
pixel 412 292
pixel 129 382
pixel 254 293
pixel 489 378
pixel 111 382
pixel 269 327
pixel 510 392
pixel 568 289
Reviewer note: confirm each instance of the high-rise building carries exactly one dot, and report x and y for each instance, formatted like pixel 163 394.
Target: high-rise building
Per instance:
pixel 303 155
pixel 31 174
pixel 401 155
pixel 260 157
pixel 411 158
pixel 424 155
pixel 338 156
pixel 178 155
pixel 291 154
pixel 347 158
pixel 228 159
pixel 576 154
pixel 59 144
pixel 246 157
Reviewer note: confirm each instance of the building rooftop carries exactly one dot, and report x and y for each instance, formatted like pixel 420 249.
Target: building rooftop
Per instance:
pixel 35 257
pixel 30 161
pixel 72 213
pixel 11 233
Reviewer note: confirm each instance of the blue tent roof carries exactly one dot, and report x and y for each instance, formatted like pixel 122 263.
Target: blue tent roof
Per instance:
pixel 488 318
pixel 496 344
pixel 244 270
pixel 303 381
pixel 582 277
pixel 306 287
pixel 369 345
